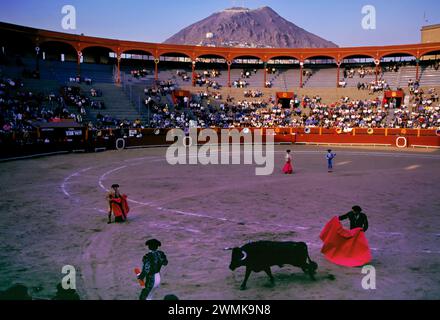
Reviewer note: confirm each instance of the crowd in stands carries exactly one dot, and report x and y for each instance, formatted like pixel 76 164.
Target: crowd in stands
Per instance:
pixel 247 73
pixel 271 70
pixel 423 112
pixel 373 86
pixel 345 113
pixel 74 98
pixel 253 94
pixel 183 75
pixel 95 93
pixel 394 67
pixel 20 109
pixel 162 88
pixel 240 84
pixel 106 121
pixel 216 95
pixel 307 73
pixel 203 81
pixel 362 71
pixel 211 73
pixel 241 113
pixel 162 117
pixel 140 73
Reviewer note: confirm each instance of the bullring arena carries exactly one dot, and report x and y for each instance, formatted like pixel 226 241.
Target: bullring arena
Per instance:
pixel 54 214
pixel 80 113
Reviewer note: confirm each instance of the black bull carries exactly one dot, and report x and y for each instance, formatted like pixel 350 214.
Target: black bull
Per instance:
pixel 260 256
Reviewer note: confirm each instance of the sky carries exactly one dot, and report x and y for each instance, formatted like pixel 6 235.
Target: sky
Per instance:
pixel 340 21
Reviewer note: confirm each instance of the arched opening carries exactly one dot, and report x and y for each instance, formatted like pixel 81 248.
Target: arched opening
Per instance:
pixel 98 55
pixel 211 59
pixel 58 51
pixel 320 72
pixel 430 57
pixel 175 58
pixel 397 59
pixel 357 59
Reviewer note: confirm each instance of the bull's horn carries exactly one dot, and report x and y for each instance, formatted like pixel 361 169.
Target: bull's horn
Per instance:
pixel 244 255
pixel 227 249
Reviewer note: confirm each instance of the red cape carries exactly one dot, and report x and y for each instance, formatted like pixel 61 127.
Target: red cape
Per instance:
pixel 343 247
pixel 288 169
pixel 118 204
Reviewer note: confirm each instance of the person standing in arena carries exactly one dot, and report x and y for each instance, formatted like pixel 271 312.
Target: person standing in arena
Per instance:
pixel 288 168
pixel 343 247
pixel 117 205
pixel 152 263
pixel 330 156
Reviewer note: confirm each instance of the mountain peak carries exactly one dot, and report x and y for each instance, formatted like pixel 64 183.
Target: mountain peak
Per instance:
pixel 237 9
pixel 244 27
pixel 266 8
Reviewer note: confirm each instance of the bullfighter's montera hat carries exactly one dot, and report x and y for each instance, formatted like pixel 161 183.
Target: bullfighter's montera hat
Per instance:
pixel 153 243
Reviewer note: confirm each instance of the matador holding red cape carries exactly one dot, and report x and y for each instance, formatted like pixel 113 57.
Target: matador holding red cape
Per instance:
pixel 347 247
pixel 117 205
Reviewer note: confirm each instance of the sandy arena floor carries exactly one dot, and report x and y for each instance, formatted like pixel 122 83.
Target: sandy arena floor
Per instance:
pixel 53 213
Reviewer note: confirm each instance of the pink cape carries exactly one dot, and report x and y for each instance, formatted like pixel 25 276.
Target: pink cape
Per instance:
pixel 288 169
pixel 343 247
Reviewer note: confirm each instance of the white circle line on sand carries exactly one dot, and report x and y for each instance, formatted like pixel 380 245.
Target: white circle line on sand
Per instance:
pixel 184 213
pixel 70 195
pixel 106 174
pixel 200 215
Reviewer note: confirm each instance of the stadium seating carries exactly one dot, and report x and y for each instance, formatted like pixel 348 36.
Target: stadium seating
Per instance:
pixel 322 78
pixel 430 77
pixel 126 101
